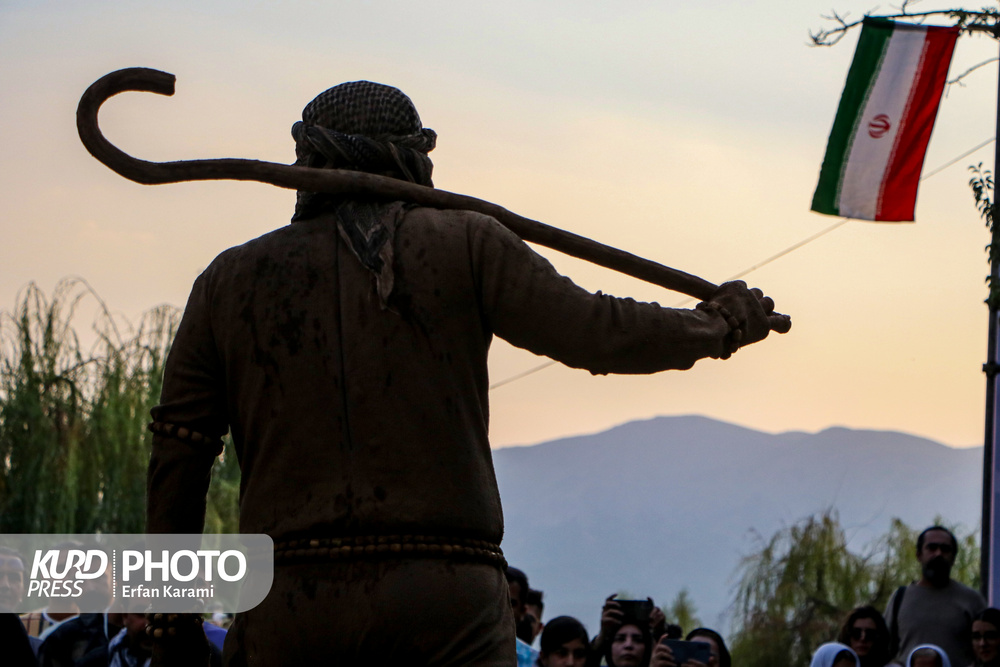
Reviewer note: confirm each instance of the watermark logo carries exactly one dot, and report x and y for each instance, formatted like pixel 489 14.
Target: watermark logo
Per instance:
pixel 148 573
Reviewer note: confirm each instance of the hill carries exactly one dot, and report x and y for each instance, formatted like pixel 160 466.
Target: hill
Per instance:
pixel 650 507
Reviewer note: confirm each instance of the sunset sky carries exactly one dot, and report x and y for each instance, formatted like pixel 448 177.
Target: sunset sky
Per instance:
pixel 690 136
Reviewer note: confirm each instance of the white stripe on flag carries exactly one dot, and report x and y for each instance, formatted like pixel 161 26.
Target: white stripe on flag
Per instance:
pixel 869 156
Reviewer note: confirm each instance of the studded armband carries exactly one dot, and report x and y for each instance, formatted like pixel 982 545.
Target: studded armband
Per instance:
pixel 203 442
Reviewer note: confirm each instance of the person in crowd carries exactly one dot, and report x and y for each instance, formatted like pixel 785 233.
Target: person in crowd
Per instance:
pixel 866 633
pixel 79 641
pixel 664 657
pixel 216 635
pixel 40 623
pixel 986 638
pixel 131 647
pixel 834 654
pixel 936 609
pixel 217 624
pixel 645 620
pixel 564 643
pixel 216 615
pixel 82 641
pixel 517 582
pixel 613 615
pixel 720 653
pixel 15 649
pixel 11 579
pixel 630 645
pixel 15 643
pixel 533 608
pixel 928 655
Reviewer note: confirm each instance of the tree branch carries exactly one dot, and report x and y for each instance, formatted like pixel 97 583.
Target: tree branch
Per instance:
pixel 966 20
pixel 958 79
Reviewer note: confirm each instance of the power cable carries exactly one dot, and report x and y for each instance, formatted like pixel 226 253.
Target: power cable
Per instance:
pixel 789 249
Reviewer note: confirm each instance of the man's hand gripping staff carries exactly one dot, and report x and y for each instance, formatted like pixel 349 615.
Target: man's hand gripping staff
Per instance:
pixel 749 314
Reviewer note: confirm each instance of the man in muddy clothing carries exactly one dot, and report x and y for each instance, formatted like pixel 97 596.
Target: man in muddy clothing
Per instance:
pixel 346 353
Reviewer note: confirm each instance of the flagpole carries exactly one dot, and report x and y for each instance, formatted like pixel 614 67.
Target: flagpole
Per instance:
pixel 988 570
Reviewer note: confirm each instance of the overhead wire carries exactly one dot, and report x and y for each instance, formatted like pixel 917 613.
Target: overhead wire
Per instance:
pixel 795 246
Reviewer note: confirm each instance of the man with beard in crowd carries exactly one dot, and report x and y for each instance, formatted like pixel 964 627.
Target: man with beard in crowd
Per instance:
pixel 935 609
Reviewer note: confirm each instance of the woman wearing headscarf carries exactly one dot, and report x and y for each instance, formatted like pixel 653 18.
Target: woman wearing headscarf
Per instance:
pixel 986 638
pixel 720 654
pixel 928 655
pixel 629 646
pixel 866 633
pixel 834 654
pixel 564 643
pixel 628 631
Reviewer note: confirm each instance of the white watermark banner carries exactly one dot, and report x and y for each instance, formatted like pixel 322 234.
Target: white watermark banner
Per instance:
pixel 134 573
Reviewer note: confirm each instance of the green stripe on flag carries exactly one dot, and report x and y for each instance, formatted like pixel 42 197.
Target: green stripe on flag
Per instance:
pixel 872 44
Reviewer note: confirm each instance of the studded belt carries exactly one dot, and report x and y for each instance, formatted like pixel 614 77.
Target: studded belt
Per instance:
pixel 378 547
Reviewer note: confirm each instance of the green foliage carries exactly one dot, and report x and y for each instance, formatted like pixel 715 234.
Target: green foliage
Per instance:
pixel 223 513
pixel 982 191
pixel 73 440
pixel 797 588
pixel 682 611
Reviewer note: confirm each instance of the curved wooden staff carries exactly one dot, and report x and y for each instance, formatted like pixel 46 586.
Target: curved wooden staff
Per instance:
pixel 340 181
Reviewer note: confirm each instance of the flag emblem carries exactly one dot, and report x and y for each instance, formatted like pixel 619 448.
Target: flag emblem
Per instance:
pixel 879 126
pixel 884 121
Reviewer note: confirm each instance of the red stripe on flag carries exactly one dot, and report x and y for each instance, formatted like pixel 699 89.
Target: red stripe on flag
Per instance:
pixel 899 189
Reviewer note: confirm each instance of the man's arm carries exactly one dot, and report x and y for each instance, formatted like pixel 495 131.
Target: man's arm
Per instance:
pixel 176 486
pixel 187 424
pixel 531 306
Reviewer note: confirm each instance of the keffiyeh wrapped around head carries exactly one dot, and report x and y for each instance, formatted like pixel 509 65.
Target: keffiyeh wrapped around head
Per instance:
pixel 370 127
pixel 363 126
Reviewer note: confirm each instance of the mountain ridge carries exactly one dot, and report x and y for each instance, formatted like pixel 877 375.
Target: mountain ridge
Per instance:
pixel 655 505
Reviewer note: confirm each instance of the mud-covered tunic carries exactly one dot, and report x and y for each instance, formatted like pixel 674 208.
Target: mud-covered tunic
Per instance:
pixel 352 419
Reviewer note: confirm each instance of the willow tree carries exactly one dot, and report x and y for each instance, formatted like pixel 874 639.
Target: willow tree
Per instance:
pixel 73 440
pixel 797 588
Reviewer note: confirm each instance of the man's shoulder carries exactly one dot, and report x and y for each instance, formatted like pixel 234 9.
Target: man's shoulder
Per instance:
pixel 959 589
pixel 469 229
pixel 248 255
pixel 955 590
pixel 81 624
pixel 290 233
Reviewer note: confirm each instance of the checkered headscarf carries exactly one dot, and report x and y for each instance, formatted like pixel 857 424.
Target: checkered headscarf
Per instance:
pixel 363 126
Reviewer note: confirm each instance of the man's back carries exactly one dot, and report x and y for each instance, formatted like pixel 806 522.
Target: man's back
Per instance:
pixel 356 410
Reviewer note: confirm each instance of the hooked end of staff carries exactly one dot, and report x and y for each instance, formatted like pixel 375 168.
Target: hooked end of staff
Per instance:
pixel 141 79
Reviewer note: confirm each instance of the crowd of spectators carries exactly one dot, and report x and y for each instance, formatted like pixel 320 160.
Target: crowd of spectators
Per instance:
pixel 61 635
pixel 633 633
pixel 932 622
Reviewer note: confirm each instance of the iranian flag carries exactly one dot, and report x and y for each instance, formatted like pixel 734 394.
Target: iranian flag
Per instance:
pixel 884 121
